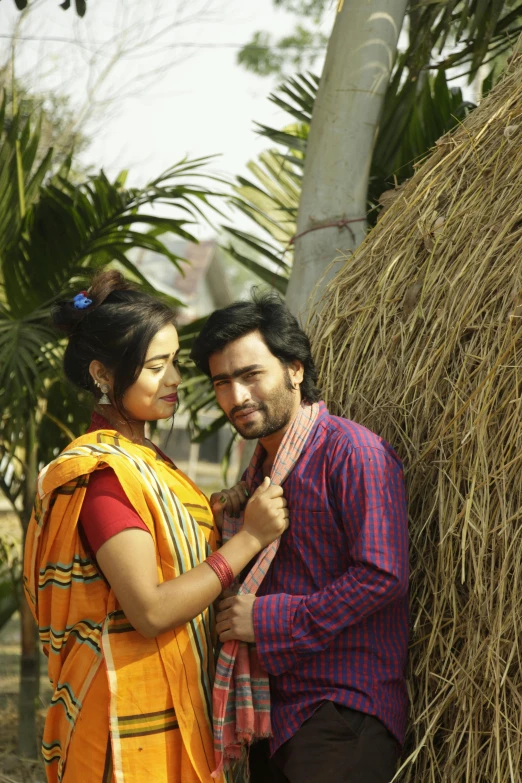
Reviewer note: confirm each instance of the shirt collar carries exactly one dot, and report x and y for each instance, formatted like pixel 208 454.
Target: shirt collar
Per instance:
pixel 323 413
pixel 321 416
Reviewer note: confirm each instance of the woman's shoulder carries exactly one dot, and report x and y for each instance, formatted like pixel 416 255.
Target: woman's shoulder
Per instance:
pixel 84 455
pixel 100 441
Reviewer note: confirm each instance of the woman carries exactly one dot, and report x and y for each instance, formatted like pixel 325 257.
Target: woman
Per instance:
pixel 118 567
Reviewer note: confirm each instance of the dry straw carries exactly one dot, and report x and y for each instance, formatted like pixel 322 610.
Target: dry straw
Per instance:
pixel 420 339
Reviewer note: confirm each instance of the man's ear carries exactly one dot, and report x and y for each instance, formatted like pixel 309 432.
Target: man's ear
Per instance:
pixel 296 370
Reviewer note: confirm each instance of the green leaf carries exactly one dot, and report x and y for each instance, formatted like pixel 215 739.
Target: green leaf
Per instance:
pixel 273 279
pixel 211 429
pixel 259 246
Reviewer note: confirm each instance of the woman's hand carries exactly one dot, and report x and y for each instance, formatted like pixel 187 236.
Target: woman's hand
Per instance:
pixel 230 501
pixel 266 514
pixel 128 561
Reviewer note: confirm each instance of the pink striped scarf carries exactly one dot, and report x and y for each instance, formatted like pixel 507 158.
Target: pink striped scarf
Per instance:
pixel 241 696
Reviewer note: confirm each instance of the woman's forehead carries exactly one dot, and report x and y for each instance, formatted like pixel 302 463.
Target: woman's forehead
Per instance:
pixel 165 341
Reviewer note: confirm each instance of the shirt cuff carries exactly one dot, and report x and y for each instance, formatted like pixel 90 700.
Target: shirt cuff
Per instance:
pixel 273 618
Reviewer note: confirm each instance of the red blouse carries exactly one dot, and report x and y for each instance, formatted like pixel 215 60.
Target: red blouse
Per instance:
pixel 106 509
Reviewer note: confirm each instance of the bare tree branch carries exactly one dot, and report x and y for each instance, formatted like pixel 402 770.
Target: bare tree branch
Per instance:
pixel 97 55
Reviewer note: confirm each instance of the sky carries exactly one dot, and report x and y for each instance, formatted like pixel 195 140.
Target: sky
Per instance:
pixel 176 89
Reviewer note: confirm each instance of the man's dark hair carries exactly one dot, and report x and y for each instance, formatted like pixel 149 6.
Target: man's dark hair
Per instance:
pixel 268 315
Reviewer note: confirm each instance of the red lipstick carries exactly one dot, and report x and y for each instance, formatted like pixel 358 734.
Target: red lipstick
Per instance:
pixel 171 398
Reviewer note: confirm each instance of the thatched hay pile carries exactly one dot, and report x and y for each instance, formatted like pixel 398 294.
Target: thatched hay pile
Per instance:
pixel 420 339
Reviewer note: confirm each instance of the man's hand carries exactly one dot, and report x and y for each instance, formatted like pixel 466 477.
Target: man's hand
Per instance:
pixel 234 620
pixel 230 592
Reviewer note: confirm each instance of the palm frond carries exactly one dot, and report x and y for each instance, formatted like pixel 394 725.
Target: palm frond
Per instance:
pixel 471 29
pixel 74 227
pixel 18 131
pixel 27 356
pixel 51 248
pixel 413 119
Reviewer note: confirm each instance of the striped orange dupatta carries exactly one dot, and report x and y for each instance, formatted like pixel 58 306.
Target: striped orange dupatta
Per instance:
pixel 241 691
pixel 159 690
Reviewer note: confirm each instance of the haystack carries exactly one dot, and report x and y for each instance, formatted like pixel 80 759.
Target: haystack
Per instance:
pixel 420 339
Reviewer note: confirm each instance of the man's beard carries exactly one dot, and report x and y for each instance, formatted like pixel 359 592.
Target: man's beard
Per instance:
pixel 275 413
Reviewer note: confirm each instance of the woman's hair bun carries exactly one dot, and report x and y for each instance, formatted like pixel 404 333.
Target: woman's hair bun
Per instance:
pixel 67 316
pixel 104 283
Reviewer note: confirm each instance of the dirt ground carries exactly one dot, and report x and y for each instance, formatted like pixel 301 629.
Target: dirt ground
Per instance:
pixel 13 768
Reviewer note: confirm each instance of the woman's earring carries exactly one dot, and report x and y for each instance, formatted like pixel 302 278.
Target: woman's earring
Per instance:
pixel 104 400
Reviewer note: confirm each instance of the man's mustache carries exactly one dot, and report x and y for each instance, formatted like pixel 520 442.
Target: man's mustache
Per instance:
pixel 244 408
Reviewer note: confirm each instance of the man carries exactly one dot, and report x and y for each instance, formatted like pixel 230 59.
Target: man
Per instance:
pixel 330 619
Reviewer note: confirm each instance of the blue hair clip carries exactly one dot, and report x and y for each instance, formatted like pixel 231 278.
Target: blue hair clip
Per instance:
pixel 81 302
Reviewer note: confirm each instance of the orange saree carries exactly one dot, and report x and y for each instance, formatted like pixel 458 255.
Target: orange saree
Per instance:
pixel 125 709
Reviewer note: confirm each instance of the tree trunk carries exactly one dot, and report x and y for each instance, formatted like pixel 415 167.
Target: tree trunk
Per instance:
pixel 30 652
pixel 359 60
pixel 29 684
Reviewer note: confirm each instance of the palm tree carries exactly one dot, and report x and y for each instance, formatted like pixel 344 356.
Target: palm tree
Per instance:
pixel 53 234
pixel 358 73
pixel 412 122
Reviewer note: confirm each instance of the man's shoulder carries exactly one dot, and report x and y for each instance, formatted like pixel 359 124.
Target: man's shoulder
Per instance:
pixel 341 439
pixel 340 432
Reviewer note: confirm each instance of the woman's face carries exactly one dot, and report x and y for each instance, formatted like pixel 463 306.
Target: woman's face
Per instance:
pixel 154 394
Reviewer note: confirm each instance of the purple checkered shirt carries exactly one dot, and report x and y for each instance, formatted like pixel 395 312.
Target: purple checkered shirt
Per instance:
pixel 331 619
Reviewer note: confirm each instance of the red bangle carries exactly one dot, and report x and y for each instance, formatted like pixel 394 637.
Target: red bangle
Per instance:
pixel 221 568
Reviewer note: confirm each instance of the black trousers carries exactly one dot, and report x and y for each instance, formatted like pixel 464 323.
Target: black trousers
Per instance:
pixel 335 745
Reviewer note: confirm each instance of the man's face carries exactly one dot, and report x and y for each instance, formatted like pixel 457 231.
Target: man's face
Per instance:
pixel 259 395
